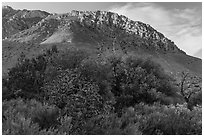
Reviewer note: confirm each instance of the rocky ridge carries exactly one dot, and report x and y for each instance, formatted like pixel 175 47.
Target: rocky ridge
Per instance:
pixel 39 26
pixel 97 31
pixel 14 21
pixel 99 18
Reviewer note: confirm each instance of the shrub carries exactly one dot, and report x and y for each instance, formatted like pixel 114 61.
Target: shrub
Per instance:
pixel 69 59
pixel 80 94
pixel 18 125
pixel 98 72
pixel 26 78
pixel 75 95
pixel 46 117
pixel 169 120
pixel 190 89
pixel 19 114
pixel 130 79
pixel 111 124
pixel 196 99
pixel 136 80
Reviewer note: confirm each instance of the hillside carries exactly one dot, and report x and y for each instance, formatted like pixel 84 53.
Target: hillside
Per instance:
pixel 98 30
pixel 95 73
pixel 14 21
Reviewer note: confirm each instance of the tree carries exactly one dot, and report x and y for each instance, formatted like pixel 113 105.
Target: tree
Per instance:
pixel 27 77
pixel 188 87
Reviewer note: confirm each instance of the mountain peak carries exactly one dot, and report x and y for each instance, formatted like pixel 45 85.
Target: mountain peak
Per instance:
pixel 7 7
pixel 100 21
pixel 101 31
pixel 15 21
pixel 100 18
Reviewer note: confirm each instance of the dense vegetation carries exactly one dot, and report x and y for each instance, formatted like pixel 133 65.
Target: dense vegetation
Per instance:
pixel 74 92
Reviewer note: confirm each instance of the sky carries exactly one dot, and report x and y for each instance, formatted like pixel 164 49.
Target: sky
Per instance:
pixel 180 22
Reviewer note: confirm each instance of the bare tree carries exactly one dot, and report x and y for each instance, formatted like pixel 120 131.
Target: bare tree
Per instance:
pixel 188 86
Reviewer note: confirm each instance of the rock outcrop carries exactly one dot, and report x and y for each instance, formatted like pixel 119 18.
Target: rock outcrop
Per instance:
pixel 108 21
pixel 39 25
pixel 14 21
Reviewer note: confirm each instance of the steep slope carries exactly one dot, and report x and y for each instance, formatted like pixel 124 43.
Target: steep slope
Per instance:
pixel 14 21
pixel 102 31
pixel 101 22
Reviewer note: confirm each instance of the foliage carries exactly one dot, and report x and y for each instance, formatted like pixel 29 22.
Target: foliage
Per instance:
pixel 190 89
pixel 32 117
pixel 169 120
pixel 46 117
pixel 129 79
pixel 71 92
pixel 28 75
pixel 68 87
pixel 137 80
pixel 69 58
pixel 76 98
pixel 111 124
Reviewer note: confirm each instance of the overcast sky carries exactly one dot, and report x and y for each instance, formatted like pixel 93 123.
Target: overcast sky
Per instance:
pixel 180 22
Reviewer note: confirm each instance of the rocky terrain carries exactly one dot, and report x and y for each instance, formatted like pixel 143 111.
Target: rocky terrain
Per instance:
pixel 96 29
pixel 95 73
pixel 14 21
pixel 101 20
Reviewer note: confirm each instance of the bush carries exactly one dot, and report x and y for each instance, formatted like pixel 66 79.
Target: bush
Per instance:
pixel 18 125
pixel 46 117
pixel 79 94
pixel 26 78
pixel 19 113
pixel 196 99
pixel 130 79
pixel 136 80
pixel 169 120
pixel 75 95
pixel 69 59
pixel 111 124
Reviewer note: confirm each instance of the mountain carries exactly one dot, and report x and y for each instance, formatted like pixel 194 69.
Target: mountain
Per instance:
pixel 95 30
pixel 14 21
pixel 106 23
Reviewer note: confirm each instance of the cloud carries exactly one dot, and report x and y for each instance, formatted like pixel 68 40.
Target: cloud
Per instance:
pixel 183 26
